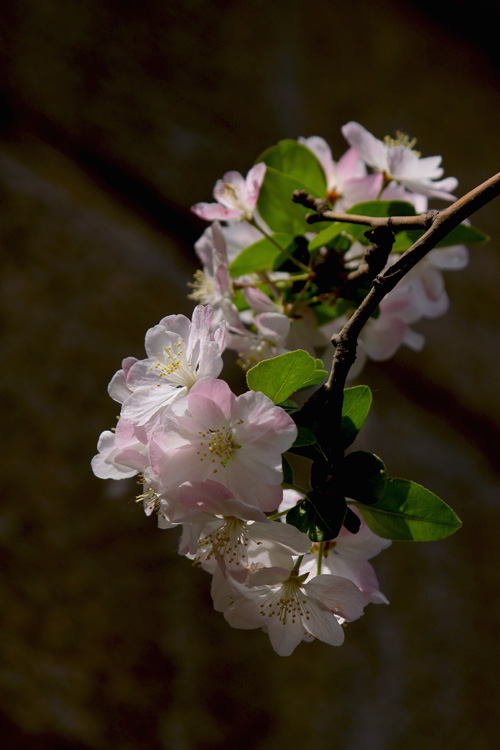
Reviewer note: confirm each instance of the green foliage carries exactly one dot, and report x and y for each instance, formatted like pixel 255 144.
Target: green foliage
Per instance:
pixel 296 160
pixel 260 256
pixel 409 512
pixel 290 166
pixel 325 312
pixel 357 401
pixel 320 516
pixel 281 376
pixel 363 477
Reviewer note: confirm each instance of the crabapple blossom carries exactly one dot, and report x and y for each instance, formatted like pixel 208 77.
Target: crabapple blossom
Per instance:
pixel 280 601
pixel 238 535
pixel 397 160
pixel 236 196
pixel 180 353
pixel 347 181
pixel 228 439
pixel 119 457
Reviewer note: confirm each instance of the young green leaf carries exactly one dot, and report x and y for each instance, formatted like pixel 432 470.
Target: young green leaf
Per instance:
pixel 281 376
pixel 363 477
pixel 260 256
pixel 305 436
pixel 320 517
pixel 357 401
pixel 296 160
pixel 407 511
pixel 275 203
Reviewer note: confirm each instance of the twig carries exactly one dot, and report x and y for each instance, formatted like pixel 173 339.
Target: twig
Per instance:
pixel 324 213
pixel 332 394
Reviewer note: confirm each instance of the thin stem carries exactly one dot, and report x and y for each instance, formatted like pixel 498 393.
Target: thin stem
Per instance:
pixel 281 249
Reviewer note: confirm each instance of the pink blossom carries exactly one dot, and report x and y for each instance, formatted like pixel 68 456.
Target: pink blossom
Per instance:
pixel 121 454
pixel 236 441
pixel 397 160
pixel 239 536
pixel 236 196
pixel 290 610
pixel 347 181
pixel 180 353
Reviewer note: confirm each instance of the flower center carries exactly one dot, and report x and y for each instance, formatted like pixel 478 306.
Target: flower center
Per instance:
pixel 171 364
pixel 288 603
pixel 149 498
pixel 203 288
pixel 229 541
pixel 217 445
pixel 401 139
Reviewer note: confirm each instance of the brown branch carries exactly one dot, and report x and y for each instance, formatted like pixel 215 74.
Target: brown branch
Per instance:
pixel 324 213
pixel 331 396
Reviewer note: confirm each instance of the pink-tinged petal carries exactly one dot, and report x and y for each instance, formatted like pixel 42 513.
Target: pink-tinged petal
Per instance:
pixel 273 325
pixel 402 163
pixel 212 497
pixel 265 577
pixel 371 150
pixel 104 465
pixel 147 401
pixel 339 595
pixel 118 388
pixel 432 281
pixel 211 402
pixel 323 624
pixel 254 180
pixel 201 319
pixel 414 340
pixel 215 212
pixel 452 258
pixel 284 637
pixel 323 153
pixel 350 166
pixel 243 615
pixel 363 189
pixel 267 497
pixel 383 336
pixel 283 534
pixel 352 566
pixel 258 301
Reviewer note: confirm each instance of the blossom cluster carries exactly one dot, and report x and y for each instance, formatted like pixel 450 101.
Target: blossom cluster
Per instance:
pixel 211 463
pixel 263 318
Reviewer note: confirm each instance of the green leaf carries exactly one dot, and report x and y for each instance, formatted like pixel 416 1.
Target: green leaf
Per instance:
pixel 355 231
pixel 275 203
pixel 317 377
pixel 363 477
pixel 259 256
pixel 305 436
pixel 409 512
pixel 289 406
pixel 357 401
pixel 461 235
pixel 281 376
pixel 296 160
pixel 287 471
pixel 319 516
pixel 325 312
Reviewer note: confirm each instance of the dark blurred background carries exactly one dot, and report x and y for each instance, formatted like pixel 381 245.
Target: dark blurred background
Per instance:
pixel 115 119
